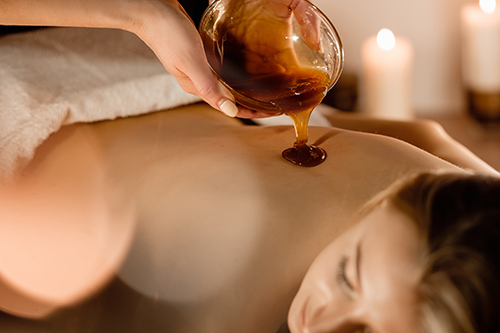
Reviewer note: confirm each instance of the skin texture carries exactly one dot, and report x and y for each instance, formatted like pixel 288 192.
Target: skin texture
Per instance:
pixel 219 218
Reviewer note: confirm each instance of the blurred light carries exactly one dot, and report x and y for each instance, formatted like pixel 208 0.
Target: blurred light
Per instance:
pixel 386 40
pixel 488 6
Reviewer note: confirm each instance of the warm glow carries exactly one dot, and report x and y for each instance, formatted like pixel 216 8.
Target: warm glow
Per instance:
pixel 386 40
pixel 488 6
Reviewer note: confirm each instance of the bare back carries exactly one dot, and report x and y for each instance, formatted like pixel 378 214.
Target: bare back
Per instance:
pixel 225 227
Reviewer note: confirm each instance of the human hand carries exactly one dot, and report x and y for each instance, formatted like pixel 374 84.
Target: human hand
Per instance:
pixel 171 34
pixel 162 24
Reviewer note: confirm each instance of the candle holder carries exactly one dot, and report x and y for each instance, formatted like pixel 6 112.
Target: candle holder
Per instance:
pixel 484 107
pixel 480 33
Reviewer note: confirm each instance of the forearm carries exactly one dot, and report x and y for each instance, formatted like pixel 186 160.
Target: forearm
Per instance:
pixel 120 14
pixel 162 24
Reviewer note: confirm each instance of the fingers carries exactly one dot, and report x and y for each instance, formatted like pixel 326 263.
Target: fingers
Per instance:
pixel 250 114
pixel 176 42
pixel 309 24
pixel 199 80
pixel 225 104
pixel 189 66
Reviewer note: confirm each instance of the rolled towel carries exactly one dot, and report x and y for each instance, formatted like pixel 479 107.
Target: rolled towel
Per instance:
pixel 59 76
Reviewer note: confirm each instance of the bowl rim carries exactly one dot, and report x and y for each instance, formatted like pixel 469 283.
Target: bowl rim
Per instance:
pixel 324 18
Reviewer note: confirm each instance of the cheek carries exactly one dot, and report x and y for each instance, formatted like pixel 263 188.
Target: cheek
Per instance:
pixel 313 290
pixel 321 275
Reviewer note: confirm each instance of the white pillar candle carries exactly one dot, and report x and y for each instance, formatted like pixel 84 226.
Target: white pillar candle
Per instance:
pixel 387 78
pixel 481 46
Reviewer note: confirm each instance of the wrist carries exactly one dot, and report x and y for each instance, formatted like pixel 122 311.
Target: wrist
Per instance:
pixel 130 15
pixel 139 17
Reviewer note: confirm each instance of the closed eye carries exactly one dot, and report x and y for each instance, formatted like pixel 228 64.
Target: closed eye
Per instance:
pixel 341 274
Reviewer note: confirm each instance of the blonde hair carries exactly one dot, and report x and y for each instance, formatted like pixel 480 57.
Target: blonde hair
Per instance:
pixel 458 217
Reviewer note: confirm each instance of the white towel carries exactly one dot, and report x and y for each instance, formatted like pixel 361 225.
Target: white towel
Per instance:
pixel 54 77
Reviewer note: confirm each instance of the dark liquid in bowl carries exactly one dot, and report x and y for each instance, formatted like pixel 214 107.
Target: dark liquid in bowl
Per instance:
pixel 260 83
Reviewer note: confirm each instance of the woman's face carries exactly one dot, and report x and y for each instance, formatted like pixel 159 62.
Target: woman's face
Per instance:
pixel 364 281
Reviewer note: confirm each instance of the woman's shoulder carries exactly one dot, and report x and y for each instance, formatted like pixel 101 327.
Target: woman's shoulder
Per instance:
pixel 425 134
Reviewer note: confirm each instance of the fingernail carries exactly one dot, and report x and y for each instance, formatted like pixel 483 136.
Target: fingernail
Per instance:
pixel 229 108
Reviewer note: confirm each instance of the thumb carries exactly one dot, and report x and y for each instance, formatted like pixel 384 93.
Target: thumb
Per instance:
pixel 216 94
pixel 208 87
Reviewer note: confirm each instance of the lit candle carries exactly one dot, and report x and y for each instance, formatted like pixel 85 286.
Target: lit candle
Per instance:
pixel 387 80
pixel 481 56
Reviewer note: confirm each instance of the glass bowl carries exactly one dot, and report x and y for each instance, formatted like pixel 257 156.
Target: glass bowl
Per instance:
pixel 271 57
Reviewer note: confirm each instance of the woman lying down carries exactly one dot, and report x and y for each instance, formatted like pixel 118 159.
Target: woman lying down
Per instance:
pixel 384 236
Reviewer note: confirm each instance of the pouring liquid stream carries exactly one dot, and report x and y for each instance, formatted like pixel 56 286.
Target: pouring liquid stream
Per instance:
pixel 301 153
pixel 270 83
pixel 294 92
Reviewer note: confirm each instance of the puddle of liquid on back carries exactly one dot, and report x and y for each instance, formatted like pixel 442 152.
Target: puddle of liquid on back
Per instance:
pixel 262 82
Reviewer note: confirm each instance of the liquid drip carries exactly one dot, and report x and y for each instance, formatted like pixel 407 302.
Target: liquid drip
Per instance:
pixel 270 83
pixel 301 153
pixel 304 155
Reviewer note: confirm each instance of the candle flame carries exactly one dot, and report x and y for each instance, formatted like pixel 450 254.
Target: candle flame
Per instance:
pixel 386 40
pixel 488 6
